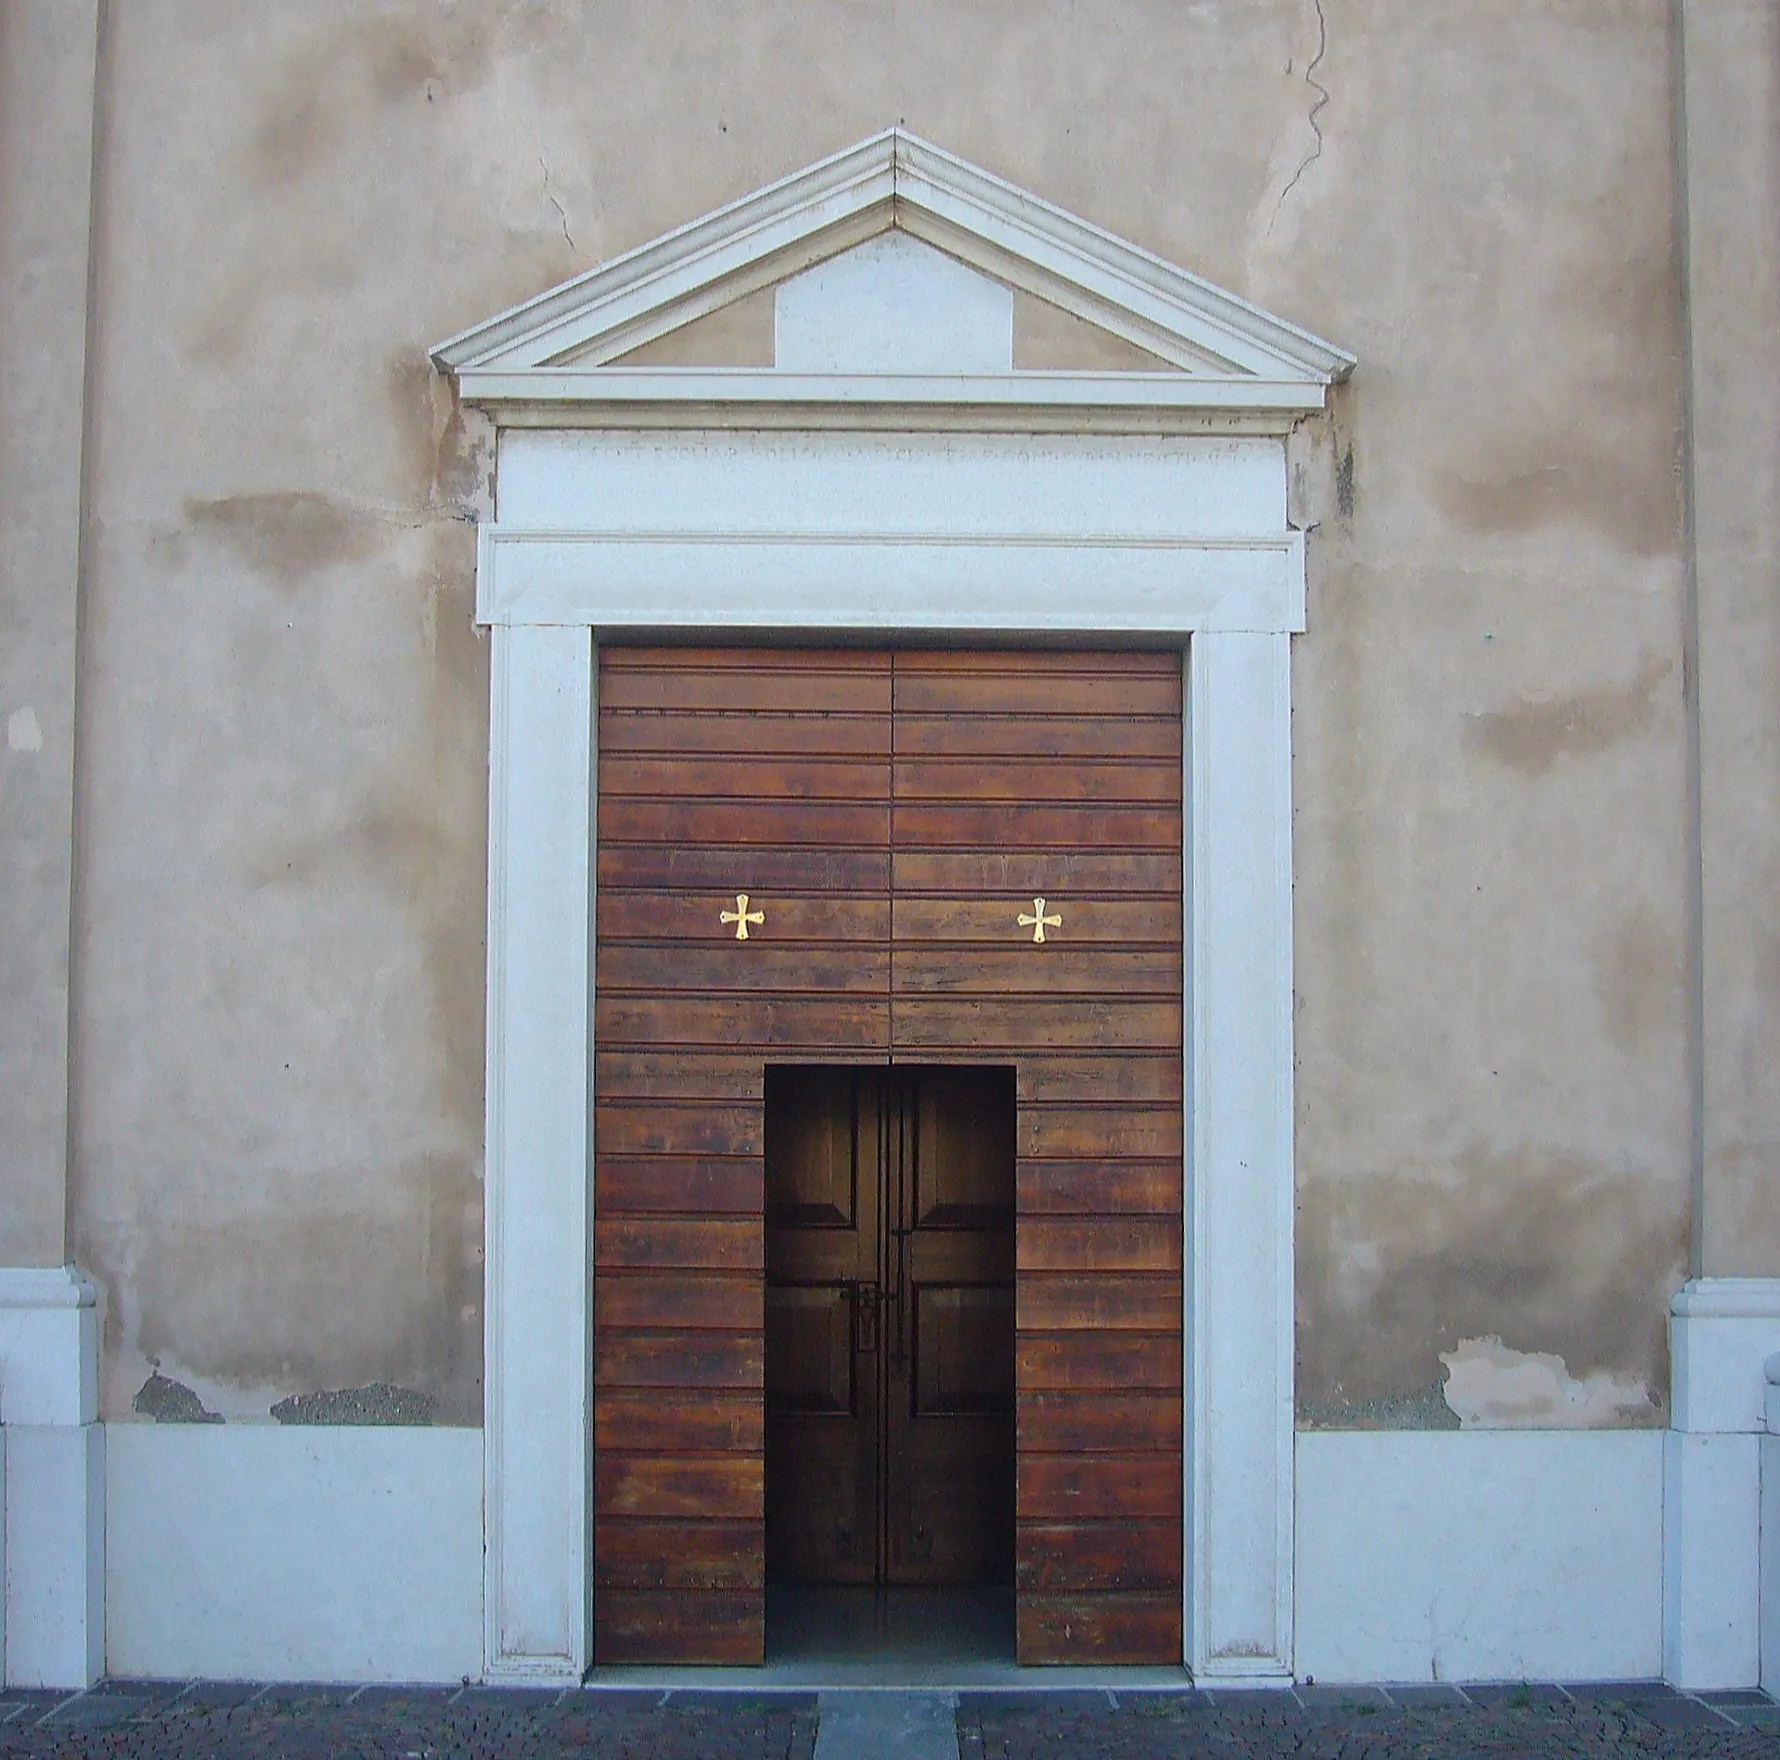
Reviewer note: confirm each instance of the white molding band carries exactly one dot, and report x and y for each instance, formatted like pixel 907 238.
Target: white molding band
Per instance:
pixel 537 1467
pixel 856 582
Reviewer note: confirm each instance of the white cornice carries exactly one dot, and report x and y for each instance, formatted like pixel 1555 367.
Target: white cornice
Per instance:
pixel 551 353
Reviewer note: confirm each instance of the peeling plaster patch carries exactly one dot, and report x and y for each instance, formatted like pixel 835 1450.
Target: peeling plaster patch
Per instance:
pixel 171 1402
pixel 1491 1387
pixel 1423 1408
pixel 1531 736
pixel 380 1403
pixel 23 734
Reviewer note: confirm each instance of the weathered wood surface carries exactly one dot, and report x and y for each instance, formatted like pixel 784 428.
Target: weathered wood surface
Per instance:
pixel 891 814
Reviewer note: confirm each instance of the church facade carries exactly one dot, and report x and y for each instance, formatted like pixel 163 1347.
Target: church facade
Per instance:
pixel 1032 858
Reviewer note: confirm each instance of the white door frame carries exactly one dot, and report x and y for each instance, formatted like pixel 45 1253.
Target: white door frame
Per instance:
pixel 993 536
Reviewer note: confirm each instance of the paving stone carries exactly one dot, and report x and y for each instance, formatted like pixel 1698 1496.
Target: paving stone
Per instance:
pixel 97 1708
pixel 888 1726
pixel 221 1695
pixel 1426 1695
pixel 1519 1696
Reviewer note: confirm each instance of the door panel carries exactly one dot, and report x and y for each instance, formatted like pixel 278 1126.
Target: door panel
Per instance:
pixel 824 1213
pixel 1018 777
pixel 890 1326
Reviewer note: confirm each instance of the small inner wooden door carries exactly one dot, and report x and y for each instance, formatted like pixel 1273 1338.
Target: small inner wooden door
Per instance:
pixel 890 1326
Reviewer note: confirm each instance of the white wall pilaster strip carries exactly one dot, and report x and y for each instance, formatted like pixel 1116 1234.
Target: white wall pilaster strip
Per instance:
pixel 539 1032
pixel 1239 1301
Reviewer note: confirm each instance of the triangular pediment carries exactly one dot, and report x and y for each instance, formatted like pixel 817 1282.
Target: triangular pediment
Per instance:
pixel 565 342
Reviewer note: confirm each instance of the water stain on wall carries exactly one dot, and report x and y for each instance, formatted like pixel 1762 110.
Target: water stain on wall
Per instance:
pixel 288 535
pixel 1531 736
pixel 1543 1250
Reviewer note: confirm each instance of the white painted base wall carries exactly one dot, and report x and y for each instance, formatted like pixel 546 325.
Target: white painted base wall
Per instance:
pixel 55 1554
pixel 255 1552
pixel 1483 1555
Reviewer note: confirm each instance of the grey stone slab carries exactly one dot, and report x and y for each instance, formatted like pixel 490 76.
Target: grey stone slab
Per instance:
pixel 1360 1699
pixel 1426 1695
pixel 1680 1712
pixel 221 1695
pixel 1615 1692
pixel 888 1726
pixel 1739 1696
pixel 1519 1696
pixel 97 1708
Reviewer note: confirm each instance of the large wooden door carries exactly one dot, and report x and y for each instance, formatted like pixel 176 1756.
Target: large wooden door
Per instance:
pixel 891 817
pixel 890 1326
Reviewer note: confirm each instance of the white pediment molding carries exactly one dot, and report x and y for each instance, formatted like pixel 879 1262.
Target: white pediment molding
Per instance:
pixel 547 361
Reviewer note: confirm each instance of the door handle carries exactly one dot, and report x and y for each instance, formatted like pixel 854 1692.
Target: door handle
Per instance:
pixel 866 1301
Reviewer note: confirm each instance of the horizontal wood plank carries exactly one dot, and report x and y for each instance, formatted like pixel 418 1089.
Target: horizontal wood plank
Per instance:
pixel 770 1023
pixel 1028 691
pixel 1021 968
pixel 678 1626
pixel 1099 1557
pixel 679 916
pixel 728 732
pixel 1107 1132
pixel 719 1487
pixel 1013 873
pixel 1029 781
pixel 675 1300
pixel 710 869
pixel 678 1127
pixel 741 824
pixel 678 1185
pixel 1098 1423
pixel 1120 1187
pixel 1082 1244
pixel 1122 1076
pixel 1052 1303
pixel 975 827
pixel 679 1359
pixel 1087 920
pixel 1039 736
pixel 638 1554
pixel 1000 1024
pixel 1098 1487
pixel 723 777
pixel 665 1421
pixel 715 1243
pixel 1090 1361
pixel 1142 1626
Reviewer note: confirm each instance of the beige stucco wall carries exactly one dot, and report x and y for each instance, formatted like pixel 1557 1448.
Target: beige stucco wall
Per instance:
pixel 278 1041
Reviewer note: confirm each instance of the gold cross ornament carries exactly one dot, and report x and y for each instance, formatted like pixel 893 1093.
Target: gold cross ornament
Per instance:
pixel 1038 922
pixel 741 916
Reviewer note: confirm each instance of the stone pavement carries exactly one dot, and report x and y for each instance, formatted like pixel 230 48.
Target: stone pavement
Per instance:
pixel 195 1721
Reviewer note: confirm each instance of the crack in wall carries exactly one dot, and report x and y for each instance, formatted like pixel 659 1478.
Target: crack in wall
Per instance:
pixel 562 213
pixel 1316 109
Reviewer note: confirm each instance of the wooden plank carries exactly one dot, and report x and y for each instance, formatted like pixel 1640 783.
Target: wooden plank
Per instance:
pixel 680 916
pixel 666 1300
pixel 1081 1244
pixel 678 1626
pixel 1110 1132
pixel 752 966
pixel 1050 1303
pixel 678 1184
pixel 922 826
pixel 1099 1360
pixel 1039 736
pixel 1101 1557
pixel 659 1420
pixel 1102 974
pixel 1026 691
pixel 680 1555
pixel 679 1359
pixel 719 868
pixel 683 1075
pixel 826 735
pixel 1026 782
pixel 1086 1487
pixel 996 1025
pixel 740 824
pixel 718 1487
pixel 682 1127
pixel 1098 1423
pixel 1044 1080
pixel 994 921
pixel 1012 873
pixel 770 1023
pixel 713 777
pixel 1123 1187
pixel 1120 662
pixel 1142 1626
pixel 670 1242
